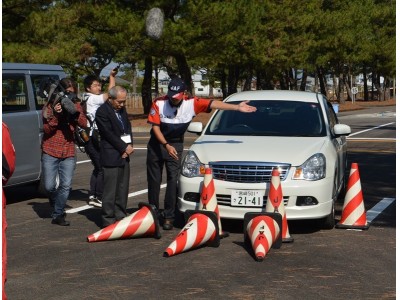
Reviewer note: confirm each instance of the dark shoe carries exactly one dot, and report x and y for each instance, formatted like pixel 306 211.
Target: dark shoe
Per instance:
pixel 168 225
pixel 60 220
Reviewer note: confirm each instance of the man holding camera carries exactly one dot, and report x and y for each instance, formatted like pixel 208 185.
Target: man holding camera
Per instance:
pixel 61 115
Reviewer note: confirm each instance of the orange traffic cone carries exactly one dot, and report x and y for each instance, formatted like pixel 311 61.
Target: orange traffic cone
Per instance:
pixel 209 199
pixel 263 230
pixel 143 222
pixel 275 204
pixel 353 215
pixel 201 228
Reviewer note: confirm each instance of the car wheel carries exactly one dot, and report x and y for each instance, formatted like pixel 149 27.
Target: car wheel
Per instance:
pixel 179 219
pixel 328 222
pixel 342 192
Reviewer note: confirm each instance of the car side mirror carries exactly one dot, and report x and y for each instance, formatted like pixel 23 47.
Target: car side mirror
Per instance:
pixel 195 127
pixel 341 129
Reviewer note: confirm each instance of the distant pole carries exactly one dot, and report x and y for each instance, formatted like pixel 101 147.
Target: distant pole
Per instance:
pixel 351 88
pixel 394 88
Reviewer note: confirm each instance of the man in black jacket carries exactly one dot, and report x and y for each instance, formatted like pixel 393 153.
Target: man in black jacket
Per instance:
pixel 115 147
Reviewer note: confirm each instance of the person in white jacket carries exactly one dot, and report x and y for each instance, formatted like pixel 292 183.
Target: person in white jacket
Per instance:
pixel 93 98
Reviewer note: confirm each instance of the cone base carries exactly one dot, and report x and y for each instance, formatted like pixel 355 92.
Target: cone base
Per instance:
pixel 214 218
pixel 224 234
pixel 288 240
pixel 152 208
pixel 361 227
pixel 276 216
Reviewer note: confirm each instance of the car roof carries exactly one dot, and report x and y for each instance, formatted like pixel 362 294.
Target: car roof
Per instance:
pixel 280 95
pixel 37 67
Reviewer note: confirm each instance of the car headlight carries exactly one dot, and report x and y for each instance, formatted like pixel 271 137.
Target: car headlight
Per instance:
pixel 314 168
pixel 191 166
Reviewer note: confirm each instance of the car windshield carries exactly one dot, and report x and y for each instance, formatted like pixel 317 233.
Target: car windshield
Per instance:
pixel 272 118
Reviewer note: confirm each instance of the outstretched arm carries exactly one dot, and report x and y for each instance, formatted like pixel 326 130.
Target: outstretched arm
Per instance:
pixel 242 106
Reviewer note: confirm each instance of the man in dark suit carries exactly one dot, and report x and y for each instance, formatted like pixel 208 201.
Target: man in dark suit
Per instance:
pixel 115 147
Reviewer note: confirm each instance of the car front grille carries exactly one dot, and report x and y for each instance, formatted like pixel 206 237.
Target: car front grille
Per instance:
pixel 247 172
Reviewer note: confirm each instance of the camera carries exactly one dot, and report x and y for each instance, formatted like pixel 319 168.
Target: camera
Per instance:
pixel 54 92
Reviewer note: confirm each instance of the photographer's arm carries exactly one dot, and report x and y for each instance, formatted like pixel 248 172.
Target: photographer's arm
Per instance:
pixel 111 84
pixel 50 118
pixel 82 120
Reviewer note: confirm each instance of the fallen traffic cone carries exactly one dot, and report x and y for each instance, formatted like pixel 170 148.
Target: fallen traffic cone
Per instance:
pixel 275 204
pixel 143 222
pixel 263 230
pixel 209 199
pixel 201 228
pixel 353 215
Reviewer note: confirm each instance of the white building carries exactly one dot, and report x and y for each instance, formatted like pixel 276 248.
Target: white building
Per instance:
pixel 199 89
pixel 204 90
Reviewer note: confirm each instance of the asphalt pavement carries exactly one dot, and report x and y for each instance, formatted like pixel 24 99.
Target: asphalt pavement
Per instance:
pixel 53 262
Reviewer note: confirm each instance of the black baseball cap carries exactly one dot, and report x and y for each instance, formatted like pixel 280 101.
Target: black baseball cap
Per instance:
pixel 176 86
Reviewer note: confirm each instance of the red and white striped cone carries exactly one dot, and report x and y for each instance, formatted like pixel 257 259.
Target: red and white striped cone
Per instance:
pixel 209 199
pixel 201 228
pixel 353 215
pixel 263 230
pixel 275 204
pixel 141 223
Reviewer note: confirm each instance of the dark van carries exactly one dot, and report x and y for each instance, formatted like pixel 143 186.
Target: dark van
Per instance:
pixel 21 111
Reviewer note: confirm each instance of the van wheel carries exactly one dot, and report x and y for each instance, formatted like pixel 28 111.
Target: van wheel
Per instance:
pixel 40 188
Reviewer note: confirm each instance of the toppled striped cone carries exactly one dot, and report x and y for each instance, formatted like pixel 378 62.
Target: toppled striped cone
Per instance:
pixel 275 204
pixel 353 215
pixel 263 231
pixel 143 222
pixel 208 199
pixel 201 228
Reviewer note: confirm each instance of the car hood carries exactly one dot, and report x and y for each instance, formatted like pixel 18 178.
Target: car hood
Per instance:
pixel 292 150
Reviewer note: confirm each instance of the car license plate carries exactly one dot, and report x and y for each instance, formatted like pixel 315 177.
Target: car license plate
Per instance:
pixel 247 198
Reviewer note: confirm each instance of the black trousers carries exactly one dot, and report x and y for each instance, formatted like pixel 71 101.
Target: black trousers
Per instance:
pixel 115 195
pixel 157 157
pixel 97 177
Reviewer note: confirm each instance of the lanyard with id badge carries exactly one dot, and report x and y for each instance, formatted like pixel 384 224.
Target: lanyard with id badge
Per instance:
pixel 125 137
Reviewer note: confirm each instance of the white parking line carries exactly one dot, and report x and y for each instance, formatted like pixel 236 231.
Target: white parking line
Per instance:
pixel 372 139
pixel 378 208
pixel 85 207
pixel 78 209
pixel 376 127
pixel 82 161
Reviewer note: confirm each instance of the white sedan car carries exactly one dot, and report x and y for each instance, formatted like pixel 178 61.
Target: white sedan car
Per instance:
pixel 296 132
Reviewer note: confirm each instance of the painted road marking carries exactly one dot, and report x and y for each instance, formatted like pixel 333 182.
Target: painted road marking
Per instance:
pixel 376 127
pixel 373 139
pixel 85 207
pixel 378 208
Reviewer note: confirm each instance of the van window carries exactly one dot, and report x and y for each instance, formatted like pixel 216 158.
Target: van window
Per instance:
pixel 36 79
pixel 14 93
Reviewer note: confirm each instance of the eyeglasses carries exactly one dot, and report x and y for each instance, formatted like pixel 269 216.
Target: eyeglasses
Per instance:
pixel 120 102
